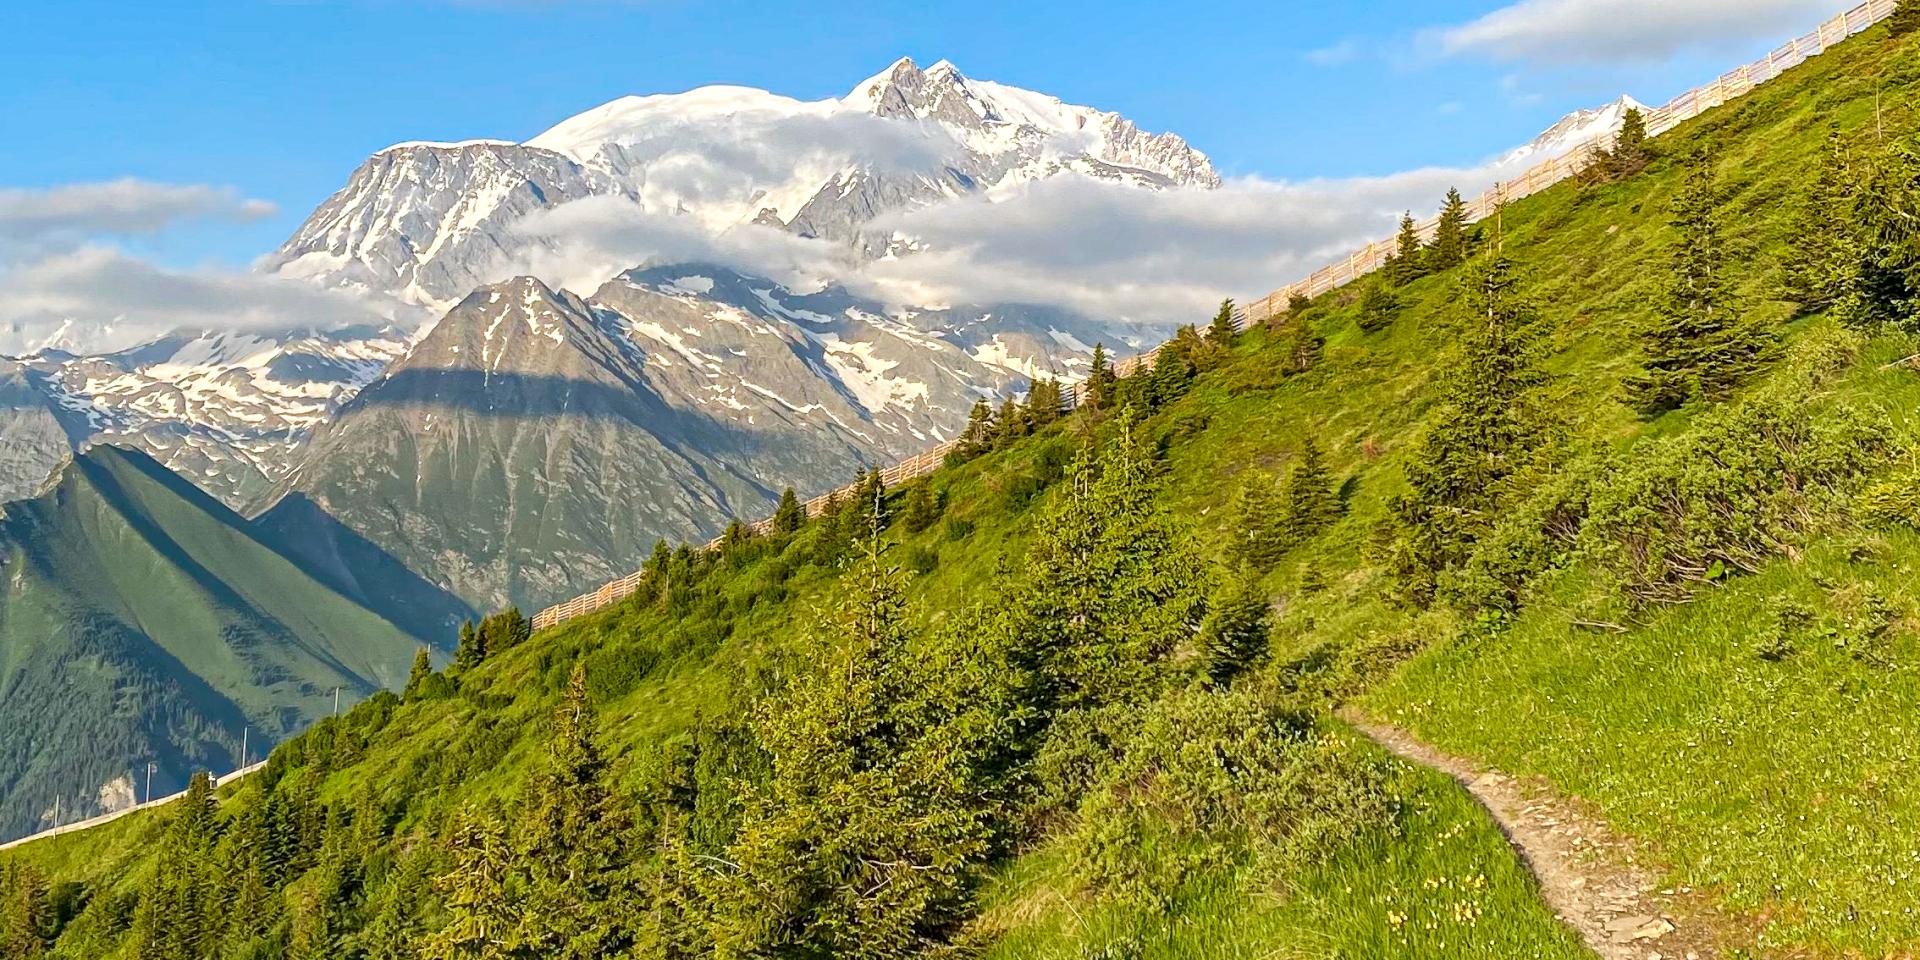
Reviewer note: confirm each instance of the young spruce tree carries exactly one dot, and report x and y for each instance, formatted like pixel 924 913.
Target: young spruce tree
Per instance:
pixel 1698 346
pixel 1449 247
pixel 1823 252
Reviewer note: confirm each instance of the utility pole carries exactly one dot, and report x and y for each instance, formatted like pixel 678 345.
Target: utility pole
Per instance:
pixel 336 701
pixel 56 812
pixel 149 781
pixel 246 730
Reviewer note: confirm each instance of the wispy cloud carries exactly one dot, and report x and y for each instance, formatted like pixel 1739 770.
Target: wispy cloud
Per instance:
pixel 68 283
pixel 67 214
pixel 1344 52
pixel 1616 31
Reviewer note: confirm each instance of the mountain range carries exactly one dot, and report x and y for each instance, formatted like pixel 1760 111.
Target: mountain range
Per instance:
pixel 257 518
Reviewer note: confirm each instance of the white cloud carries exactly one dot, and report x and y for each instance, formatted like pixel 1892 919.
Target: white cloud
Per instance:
pixel 98 298
pixel 1609 31
pixel 1114 252
pixel 64 215
pixel 1340 53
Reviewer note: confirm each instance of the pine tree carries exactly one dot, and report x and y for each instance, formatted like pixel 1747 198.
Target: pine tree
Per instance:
pixel 1043 402
pixel 26 918
pixel 790 516
pixel 1299 348
pixel 1010 423
pixel 393 932
pixel 579 897
pixel 1823 251
pixel 417 677
pixel 1234 634
pixel 1309 503
pixel 1100 380
pixel 1409 261
pixel 481 913
pixel 1698 347
pixel 1378 306
pixel 1631 150
pixel 1905 18
pixel 470 652
pixel 923 506
pixel 978 436
pixel 1221 332
pixel 1258 526
pixel 1886 282
pixel 1449 247
pixel 1488 424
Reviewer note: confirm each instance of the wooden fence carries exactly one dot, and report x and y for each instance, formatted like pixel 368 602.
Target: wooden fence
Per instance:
pixel 117 814
pixel 1369 258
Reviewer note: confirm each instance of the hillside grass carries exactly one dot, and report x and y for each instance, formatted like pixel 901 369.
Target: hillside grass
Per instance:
pixel 1783 785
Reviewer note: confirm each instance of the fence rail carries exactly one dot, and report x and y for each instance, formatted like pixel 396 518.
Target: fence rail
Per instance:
pixel 1371 257
pixel 117 814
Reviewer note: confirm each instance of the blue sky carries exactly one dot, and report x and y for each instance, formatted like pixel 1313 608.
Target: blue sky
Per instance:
pixel 279 101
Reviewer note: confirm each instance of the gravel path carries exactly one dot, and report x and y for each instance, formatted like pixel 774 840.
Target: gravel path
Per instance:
pixel 1587 873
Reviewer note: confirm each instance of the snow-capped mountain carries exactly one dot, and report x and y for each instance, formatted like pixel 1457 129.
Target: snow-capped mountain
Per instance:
pixel 536 442
pixel 229 410
pixel 1571 131
pixel 429 221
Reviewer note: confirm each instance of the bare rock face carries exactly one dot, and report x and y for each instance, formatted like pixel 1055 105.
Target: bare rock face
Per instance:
pixel 535 443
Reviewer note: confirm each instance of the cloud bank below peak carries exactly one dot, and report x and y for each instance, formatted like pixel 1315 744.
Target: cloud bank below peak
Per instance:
pixel 1557 32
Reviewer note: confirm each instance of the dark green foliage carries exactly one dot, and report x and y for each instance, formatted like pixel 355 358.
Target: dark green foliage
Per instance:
pixel 790 516
pixel 503 631
pixel 481 914
pixel 1408 262
pixel 1011 424
pixel 1300 347
pixel 1753 480
pixel 1221 332
pixel 1699 347
pixel 925 503
pixel 417 675
pixel 979 435
pixel 1044 403
pixel 1823 252
pixel 1487 425
pixel 1378 305
pixel 1234 634
pixel 1887 214
pixel 1308 503
pixel 472 649
pixel 26 913
pixel 1257 531
pixel 1099 389
pixel 1905 18
pixel 1449 246
pixel 1631 148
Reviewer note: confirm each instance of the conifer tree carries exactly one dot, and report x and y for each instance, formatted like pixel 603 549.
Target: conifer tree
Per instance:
pixel 1449 247
pixel 1258 535
pixel 1905 18
pixel 1823 251
pixel 1043 402
pixel 1234 634
pixel 1100 380
pixel 1378 306
pixel 1488 423
pixel 417 676
pixel 1221 332
pixel 790 516
pixel 1309 503
pixel 1698 347
pixel 579 896
pixel 481 913
pixel 922 509
pixel 1631 150
pixel 1299 348
pixel 1172 373
pixel 26 918
pixel 978 436
pixel 471 650
pixel 1886 284
pixel 393 931
pixel 1011 422
pixel 1409 261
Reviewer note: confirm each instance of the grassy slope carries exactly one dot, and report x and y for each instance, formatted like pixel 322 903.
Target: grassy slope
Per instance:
pixel 144 621
pixel 1784 788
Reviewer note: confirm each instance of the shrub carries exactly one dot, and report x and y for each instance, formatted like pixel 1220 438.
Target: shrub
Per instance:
pixel 959 528
pixel 1749 481
pixel 922 559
